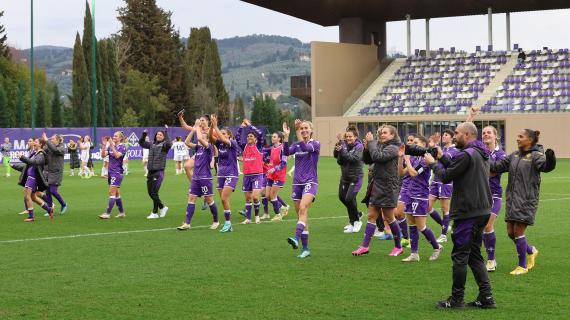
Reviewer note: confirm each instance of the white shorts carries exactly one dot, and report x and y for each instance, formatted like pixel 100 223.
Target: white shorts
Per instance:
pixel 106 159
pixel 145 159
pixel 181 157
pixel 84 157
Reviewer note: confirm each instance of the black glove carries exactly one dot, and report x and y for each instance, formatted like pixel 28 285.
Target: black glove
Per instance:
pixel 550 160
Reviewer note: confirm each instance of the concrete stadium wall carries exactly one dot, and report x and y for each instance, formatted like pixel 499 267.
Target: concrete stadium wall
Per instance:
pixel 551 125
pixel 337 69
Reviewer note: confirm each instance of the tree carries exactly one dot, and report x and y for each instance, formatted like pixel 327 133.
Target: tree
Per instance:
pixel 239 111
pixel 81 98
pixel 87 43
pixel 5 113
pixel 142 95
pixel 4 50
pixel 56 109
pixel 102 83
pixel 114 84
pixel 41 113
pixel 129 118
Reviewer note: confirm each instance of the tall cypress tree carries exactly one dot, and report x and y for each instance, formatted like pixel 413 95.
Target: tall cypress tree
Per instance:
pixel 87 38
pixel 115 85
pixel 239 111
pixel 102 83
pixel 56 109
pixel 41 121
pixel 5 112
pixel 4 50
pixel 81 97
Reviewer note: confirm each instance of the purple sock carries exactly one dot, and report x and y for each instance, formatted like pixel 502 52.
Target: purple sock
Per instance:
pixel 112 201
pixel 305 240
pixel 299 230
pixel 415 238
pixel 256 208
pixel 404 228
pixel 265 205
pixel 368 233
pixel 227 215
pixel 55 192
pixel 276 206
pixel 31 213
pixel 430 237
pixel 190 212
pixel 46 198
pixel 248 210
pixel 214 211
pixel 445 224
pixel 281 201
pixel 46 207
pixel 528 248
pixel 522 247
pixel 435 216
pixel 489 239
pixel 120 205
pixel 396 233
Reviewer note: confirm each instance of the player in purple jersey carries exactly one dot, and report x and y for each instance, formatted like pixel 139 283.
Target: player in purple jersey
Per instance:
pixel 402 200
pixel 385 187
pixel 228 150
pixel 442 191
pixel 489 137
pixel 33 179
pixel 305 180
pixel 201 184
pixel 116 150
pixel 417 201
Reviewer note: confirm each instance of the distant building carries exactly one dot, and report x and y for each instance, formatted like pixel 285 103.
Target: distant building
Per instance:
pixel 67 73
pixel 273 94
pixel 305 58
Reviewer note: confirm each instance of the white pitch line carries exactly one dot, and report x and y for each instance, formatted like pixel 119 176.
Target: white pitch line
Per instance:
pixel 71 236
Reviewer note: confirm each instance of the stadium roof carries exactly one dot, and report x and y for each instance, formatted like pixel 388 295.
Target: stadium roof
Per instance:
pixel 329 12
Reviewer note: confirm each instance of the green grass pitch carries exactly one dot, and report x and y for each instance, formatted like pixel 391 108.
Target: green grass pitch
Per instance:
pixel 78 267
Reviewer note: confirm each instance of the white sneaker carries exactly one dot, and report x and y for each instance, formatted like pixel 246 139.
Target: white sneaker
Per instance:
pixel 349 229
pixel 120 215
pixel 183 227
pixel 357 226
pixel 442 239
pixel 214 225
pixel 265 217
pixel 491 265
pixel 284 210
pixel 257 220
pixel 104 216
pixel 378 233
pixel 277 217
pixel 152 215
pixel 246 221
pixel 163 211
pixel 347 226
pixel 413 257
pixel 435 255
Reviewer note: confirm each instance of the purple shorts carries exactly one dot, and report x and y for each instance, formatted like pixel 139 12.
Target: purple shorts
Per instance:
pixel 253 182
pixel 31 183
pixel 497 204
pixel 357 185
pixel 417 207
pixel 274 183
pixel 227 182
pixel 440 190
pixel 201 187
pixel 404 197
pixel 115 179
pixel 299 190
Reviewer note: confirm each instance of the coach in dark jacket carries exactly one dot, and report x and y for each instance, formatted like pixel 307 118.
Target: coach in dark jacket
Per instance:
pixel 348 154
pixel 470 209
pixel 158 151
pixel 55 152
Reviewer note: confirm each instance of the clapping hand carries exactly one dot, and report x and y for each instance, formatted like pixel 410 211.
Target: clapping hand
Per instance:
pixel 369 137
pixel 214 121
pixel 429 159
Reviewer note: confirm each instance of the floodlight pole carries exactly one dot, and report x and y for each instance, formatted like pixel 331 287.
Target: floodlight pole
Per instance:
pixel 427 38
pixel 508 19
pixel 490 25
pixel 409 34
pixel 32 80
pixel 93 73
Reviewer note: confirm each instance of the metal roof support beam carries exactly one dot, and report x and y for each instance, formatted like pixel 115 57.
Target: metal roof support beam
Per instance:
pixel 409 34
pixel 508 18
pixel 490 26
pixel 427 38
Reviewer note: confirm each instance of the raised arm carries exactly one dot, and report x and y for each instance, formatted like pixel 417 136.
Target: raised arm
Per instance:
pixel 167 142
pixel 216 131
pixel 382 155
pixel 502 165
pixel 473 112
pixel 59 149
pixel 37 160
pixel 142 141
pixel 544 162
pixel 188 141
pixel 183 123
pixel 351 157
pixel 457 167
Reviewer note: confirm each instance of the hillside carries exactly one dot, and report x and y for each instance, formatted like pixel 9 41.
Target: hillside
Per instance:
pixel 251 64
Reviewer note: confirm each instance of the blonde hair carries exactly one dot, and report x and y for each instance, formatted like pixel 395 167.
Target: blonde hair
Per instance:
pixel 310 126
pixel 497 138
pixel 392 130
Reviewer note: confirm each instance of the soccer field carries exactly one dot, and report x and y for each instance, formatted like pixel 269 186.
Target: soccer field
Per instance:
pixel 81 267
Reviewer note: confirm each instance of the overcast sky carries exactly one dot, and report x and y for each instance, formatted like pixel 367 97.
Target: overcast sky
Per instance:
pixel 56 21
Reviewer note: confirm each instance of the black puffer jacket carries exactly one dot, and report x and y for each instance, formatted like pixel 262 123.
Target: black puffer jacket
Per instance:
pixel 54 160
pixel 523 187
pixel 349 157
pixel 157 151
pixel 386 185
pixel 37 161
